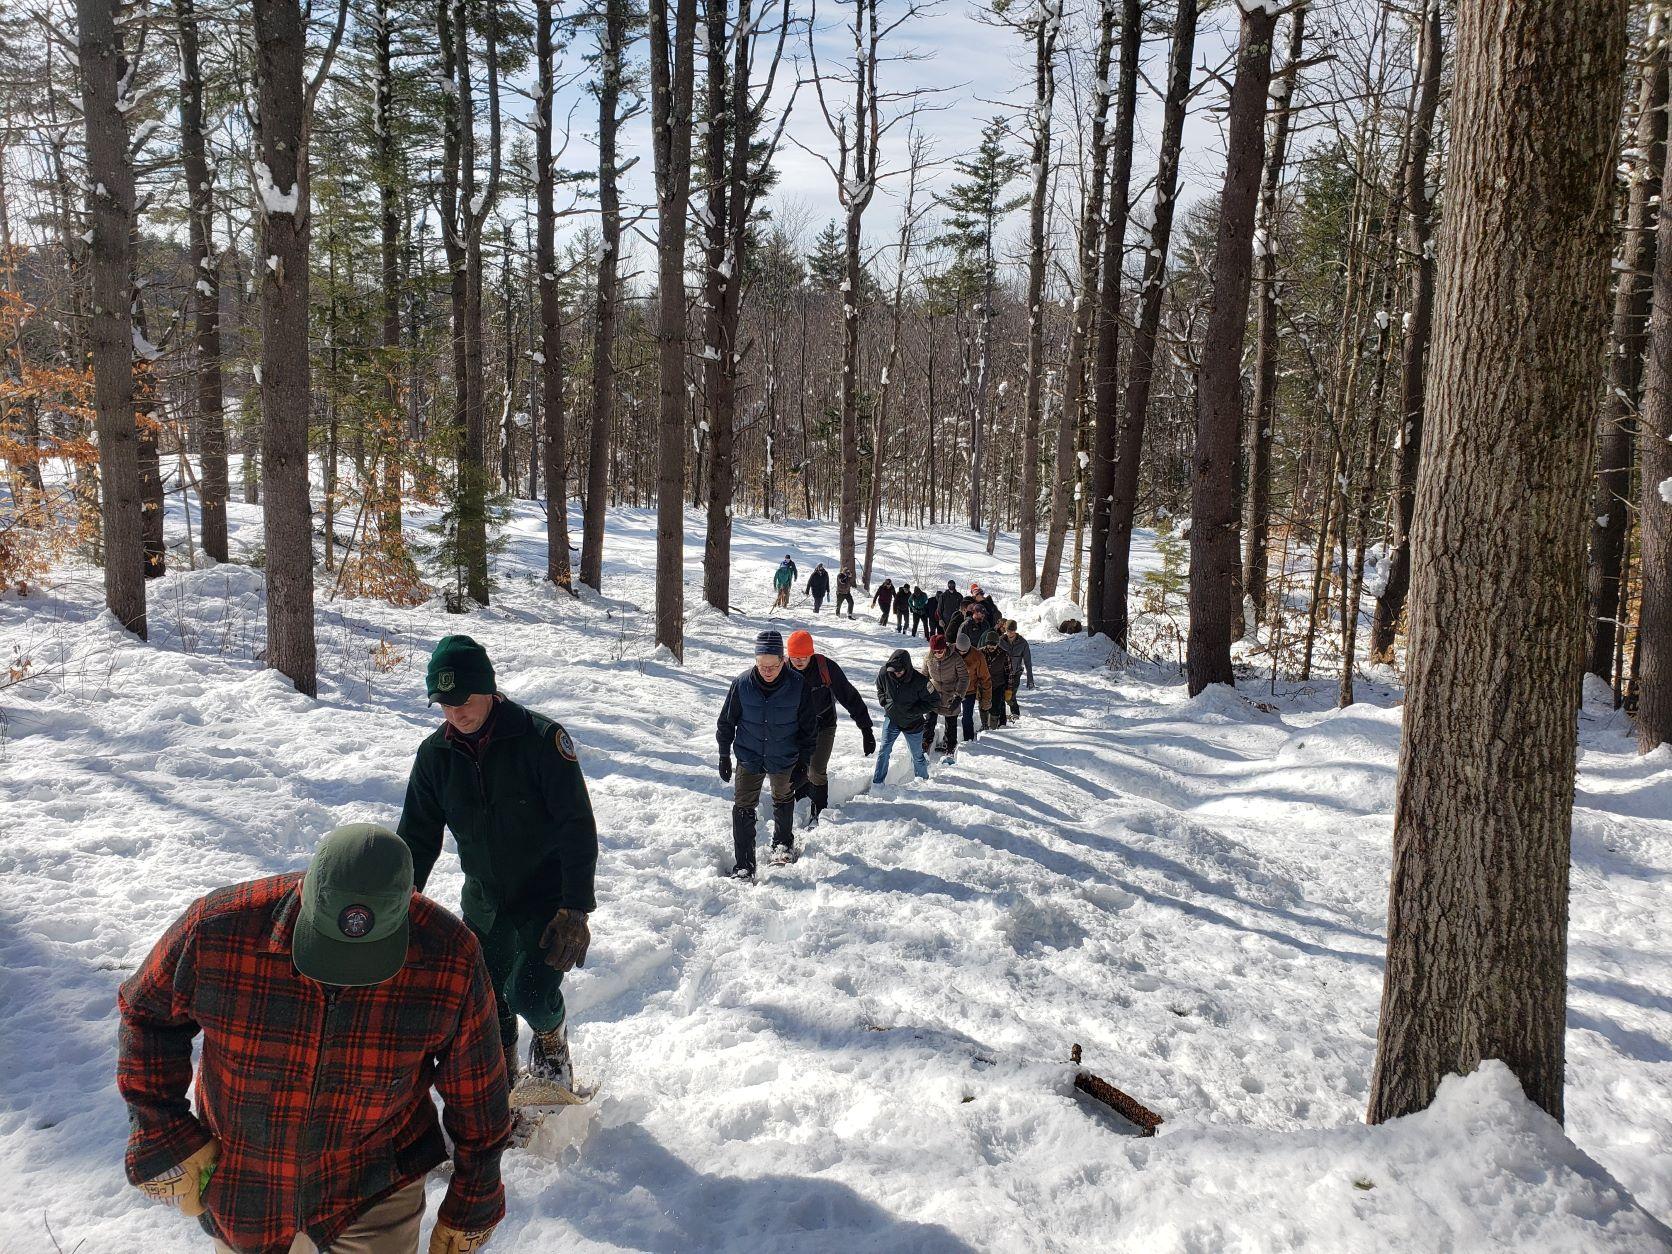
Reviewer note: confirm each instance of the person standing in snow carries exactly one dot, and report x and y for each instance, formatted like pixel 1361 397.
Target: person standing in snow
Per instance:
pixel 826 685
pixel 980 691
pixel 768 720
pixel 920 612
pixel 998 668
pixel 507 782
pixel 902 595
pixel 1020 653
pixel 907 706
pixel 884 598
pixel 783 579
pixel 818 586
pixel 330 1003
pixel 844 591
pixel 946 605
pixel 949 679
pixel 989 607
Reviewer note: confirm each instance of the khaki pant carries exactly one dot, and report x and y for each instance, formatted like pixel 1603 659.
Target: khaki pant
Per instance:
pixel 390 1227
pixel 746 788
pixel 818 770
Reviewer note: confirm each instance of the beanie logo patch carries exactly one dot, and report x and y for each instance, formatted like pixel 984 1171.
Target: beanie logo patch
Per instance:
pixel 356 921
pixel 566 746
pixel 444 681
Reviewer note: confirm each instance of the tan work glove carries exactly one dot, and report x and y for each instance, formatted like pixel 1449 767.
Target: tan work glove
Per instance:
pixel 183 1184
pixel 445 1240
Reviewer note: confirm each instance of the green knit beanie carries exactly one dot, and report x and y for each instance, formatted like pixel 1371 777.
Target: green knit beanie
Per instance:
pixel 459 669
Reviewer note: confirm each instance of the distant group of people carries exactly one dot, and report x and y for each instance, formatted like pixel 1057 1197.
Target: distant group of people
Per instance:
pixel 777 725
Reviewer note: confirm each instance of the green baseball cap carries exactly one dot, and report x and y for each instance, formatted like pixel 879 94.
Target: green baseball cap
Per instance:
pixel 352 928
pixel 459 669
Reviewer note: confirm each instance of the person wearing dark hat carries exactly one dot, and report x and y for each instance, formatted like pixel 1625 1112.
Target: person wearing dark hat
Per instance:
pixel 826 684
pixel 818 586
pixel 770 724
pixel 507 782
pixel 330 1003
pixel 908 705
pixel 844 591
pixel 949 680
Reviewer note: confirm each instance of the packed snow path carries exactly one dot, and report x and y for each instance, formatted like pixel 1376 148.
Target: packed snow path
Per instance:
pixel 866 1050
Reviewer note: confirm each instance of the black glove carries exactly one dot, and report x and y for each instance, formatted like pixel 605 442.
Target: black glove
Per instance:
pixel 725 767
pixel 870 740
pixel 566 939
pixel 1030 685
pixel 798 775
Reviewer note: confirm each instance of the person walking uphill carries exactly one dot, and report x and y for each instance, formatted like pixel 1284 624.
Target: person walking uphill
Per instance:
pixel 844 591
pixel 818 586
pixel 768 720
pixel 884 598
pixel 949 680
pixel 783 579
pixel 507 782
pixel 907 705
pixel 979 694
pixel 902 595
pixel 998 668
pixel 920 612
pixel 1020 653
pixel 826 685
pixel 330 1003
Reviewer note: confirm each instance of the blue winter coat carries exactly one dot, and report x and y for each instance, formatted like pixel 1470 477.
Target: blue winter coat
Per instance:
pixel 770 729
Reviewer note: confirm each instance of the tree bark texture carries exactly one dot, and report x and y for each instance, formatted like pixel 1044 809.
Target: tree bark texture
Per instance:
pixel 607 300
pixel 551 312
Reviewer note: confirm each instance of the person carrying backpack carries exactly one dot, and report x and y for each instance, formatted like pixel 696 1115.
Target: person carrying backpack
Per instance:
pixel 818 586
pixel 919 612
pixel 949 679
pixel 979 695
pixel 884 598
pixel 844 591
pixel 826 685
pixel 907 706
pixel 783 579
pixel 998 667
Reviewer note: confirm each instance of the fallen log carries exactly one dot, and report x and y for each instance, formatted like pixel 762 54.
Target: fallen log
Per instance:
pixel 1125 1105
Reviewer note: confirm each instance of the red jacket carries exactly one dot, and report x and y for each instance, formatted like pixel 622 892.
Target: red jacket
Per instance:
pixel 319 1097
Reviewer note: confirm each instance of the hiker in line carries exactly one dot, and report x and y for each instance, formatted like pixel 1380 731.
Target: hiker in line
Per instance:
pixel 908 706
pixel 884 598
pixel 902 595
pixel 330 1003
pixel 989 607
pixel 818 586
pixel 998 668
pixel 507 782
pixel 946 605
pixel 920 613
pixel 1020 653
pixel 844 591
pixel 826 684
pixel 949 679
pixel 783 579
pixel 979 694
pixel 770 724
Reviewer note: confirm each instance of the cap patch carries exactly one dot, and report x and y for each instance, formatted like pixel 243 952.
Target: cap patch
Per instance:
pixel 356 921
pixel 444 681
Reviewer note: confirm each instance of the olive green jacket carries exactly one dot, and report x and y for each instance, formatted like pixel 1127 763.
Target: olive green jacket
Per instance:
pixel 520 815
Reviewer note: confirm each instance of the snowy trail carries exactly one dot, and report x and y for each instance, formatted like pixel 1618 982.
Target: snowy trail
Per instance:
pixel 865 1051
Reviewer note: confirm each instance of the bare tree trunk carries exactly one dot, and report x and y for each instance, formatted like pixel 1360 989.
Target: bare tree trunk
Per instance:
pixel 1100 607
pixel 1140 373
pixel 1652 659
pixel 1064 498
pixel 1214 552
pixel 672 66
pixel 1049 21
pixel 150 457
pixel 106 78
pixel 1263 415
pixel 551 311
pixel 1419 230
pixel 206 276
pixel 1478 905
pixel 389 512
pixel 1610 503
pixel 607 308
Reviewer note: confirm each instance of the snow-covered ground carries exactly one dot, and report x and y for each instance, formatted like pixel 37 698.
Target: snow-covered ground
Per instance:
pixel 866 1051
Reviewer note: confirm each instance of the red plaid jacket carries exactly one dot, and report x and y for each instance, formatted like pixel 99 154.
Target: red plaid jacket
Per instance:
pixel 319 1098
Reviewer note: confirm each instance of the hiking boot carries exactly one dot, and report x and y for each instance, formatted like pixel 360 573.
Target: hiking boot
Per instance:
pixel 548 1059
pixel 743 842
pixel 783 823
pixel 821 799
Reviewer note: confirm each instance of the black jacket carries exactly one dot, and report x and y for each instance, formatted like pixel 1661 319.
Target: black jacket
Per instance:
pixel 884 597
pixel 947 604
pixel 826 684
pixel 906 702
pixel 818 583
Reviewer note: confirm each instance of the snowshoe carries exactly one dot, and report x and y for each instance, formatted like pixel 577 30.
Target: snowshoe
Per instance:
pixel 782 855
pixel 743 874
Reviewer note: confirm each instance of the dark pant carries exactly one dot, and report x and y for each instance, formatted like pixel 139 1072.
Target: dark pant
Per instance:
pixel 1010 695
pixel 917 624
pixel 818 600
pixel 900 619
pixel 886 611
pixel 523 983
pixel 844 596
pixel 970 700
pixel 950 735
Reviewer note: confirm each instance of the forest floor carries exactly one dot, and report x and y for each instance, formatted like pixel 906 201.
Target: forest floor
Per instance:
pixel 867 1050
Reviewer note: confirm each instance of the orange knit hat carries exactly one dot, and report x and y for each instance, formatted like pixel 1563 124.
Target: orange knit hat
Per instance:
pixel 800 644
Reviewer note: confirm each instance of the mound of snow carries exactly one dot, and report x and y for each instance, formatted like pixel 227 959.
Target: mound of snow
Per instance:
pixel 1042 619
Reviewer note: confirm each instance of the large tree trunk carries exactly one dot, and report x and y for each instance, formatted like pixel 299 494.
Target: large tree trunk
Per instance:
pixel 389 512
pixel 1064 499
pixel 1610 503
pixel 151 505
pixel 1049 21
pixel 1101 610
pixel 551 313
pixel 206 276
pixel 1477 909
pixel 106 75
pixel 1652 659
pixel 1413 367
pixel 1257 438
pixel 1214 552
pixel 607 308
pixel 671 85
pixel 281 174
pixel 1140 373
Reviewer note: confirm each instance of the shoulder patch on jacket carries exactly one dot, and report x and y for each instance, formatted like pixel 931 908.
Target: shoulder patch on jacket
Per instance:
pixel 566 745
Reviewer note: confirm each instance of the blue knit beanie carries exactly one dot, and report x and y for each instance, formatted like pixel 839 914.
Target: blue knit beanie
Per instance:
pixel 769 642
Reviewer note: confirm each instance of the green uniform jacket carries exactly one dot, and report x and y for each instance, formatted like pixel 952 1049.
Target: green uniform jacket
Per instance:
pixel 521 817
